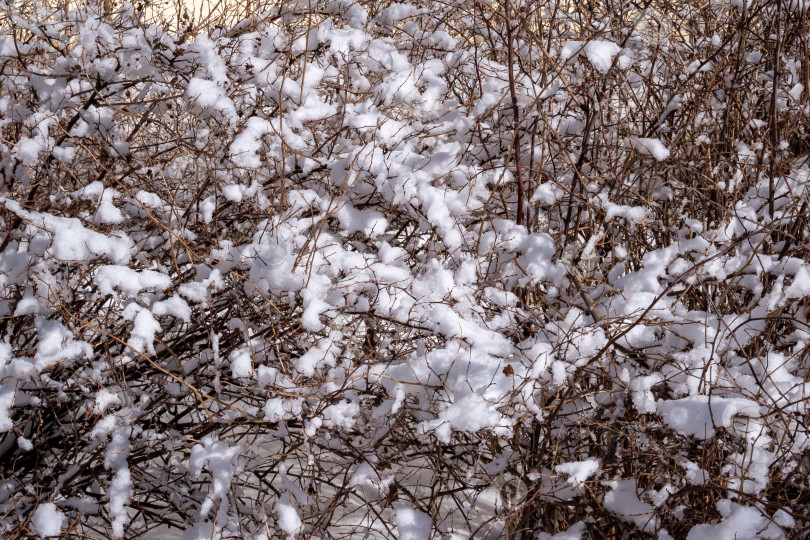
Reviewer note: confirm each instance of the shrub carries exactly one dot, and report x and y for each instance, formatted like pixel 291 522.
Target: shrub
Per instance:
pixel 412 269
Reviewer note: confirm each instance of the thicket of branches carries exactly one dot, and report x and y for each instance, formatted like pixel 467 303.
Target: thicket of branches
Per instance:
pixel 373 269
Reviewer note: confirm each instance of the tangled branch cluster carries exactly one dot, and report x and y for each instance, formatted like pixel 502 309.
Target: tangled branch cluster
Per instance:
pixel 357 269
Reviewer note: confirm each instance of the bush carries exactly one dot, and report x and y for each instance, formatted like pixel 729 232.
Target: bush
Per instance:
pixel 409 270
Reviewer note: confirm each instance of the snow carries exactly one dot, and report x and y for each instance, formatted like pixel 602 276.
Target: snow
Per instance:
pixel 247 143
pixel 105 212
pixel 71 240
pixel 288 518
pixel 241 363
pixel 469 413
pixel 148 199
pixel 783 518
pixel 274 410
pixel 411 524
pixel 223 462
pixel 371 222
pixel 694 474
pixel 649 147
pixel 207 94
pixel 800 287
pixel 643 398
pixel 119 494
pixel 314 306
pixel 300 234
pixel 699 415
pixel 272 270
pixel 600 53
pixel 129 281
pixel 7 391
pixel 739 523
pixel 575 532
pixel 47 520
pixel 25 444
pixel 104 400
pixel 635 215
pixel 174 306
pixel 64 154
pixel 341 414
pixel 622 500
pixel 579 471
pixel 200 291
pixel 144 328
pixel 28 150
pixel 56 344
pixel 395 12
pixel 210 59
pixel 323 354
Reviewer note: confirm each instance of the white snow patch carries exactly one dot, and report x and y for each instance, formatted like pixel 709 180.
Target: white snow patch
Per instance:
pixel 47 520
pixel 699 415
pixel 623 501
pixel 579 471
pixel 71 240
pixel 203 94
pixel 739 523
pixel 411 524
pixel 129 281
pixel 649 147
pixel 241 363
pixel 470 413
pixel 600 53
pixel 104 400
pixel 288 518
pixel 7 392
pixel 574 532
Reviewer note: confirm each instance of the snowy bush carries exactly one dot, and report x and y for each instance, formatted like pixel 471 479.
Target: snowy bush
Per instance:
pixel 405 270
